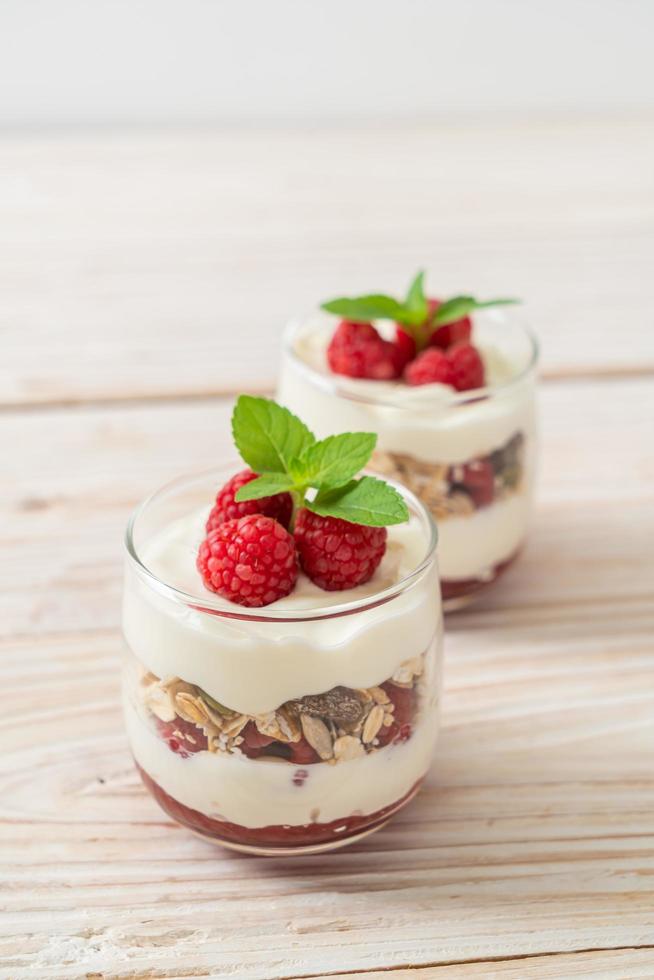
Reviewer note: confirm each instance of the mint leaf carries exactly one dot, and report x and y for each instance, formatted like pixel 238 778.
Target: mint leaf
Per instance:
pixel 287 457
pixel 335 460
pixel 415 304
pixel 264 486
pixel 366 501
pixel 361 308
pixel 460 306
pixel 267 435
pixel 412 312
pixel 497 302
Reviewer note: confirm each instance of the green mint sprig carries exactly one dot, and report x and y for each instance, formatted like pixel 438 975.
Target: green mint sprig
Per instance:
pixel 320 475
pixel 412 312
pixel 459 306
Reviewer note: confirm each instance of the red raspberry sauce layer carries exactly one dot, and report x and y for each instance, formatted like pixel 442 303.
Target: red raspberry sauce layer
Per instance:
pixel 304 835
pixel 456 588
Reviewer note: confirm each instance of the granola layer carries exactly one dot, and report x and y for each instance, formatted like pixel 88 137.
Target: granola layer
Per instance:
pixel 333 727
pixel 454 490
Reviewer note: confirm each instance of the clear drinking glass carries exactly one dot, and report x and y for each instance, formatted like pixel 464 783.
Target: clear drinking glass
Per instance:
pixel 275 730
pixel 469 456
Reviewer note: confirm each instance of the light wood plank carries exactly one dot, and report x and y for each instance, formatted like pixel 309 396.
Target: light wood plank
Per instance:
pixel 533 834
pixel 141 265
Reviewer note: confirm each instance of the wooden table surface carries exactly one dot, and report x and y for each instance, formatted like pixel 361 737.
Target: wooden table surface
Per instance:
pixel 144 279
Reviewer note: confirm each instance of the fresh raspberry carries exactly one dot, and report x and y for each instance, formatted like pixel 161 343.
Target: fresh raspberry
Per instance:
pixel 254 745
pixel 280 507
pixel 357 350
pixel 479 481
pixel 403 699
pixel 253 741
pixel 303 754
pixel 457 332
pixel 250 560
pixel 405 345
pixel 253 738
pixel 467 367
pixel 183 737
pixel 430 366
pixel 336 554
pixel 404 733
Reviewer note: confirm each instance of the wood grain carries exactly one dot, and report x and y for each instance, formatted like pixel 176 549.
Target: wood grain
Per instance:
pixel 533 834
pixel 591 965
pixel 141 265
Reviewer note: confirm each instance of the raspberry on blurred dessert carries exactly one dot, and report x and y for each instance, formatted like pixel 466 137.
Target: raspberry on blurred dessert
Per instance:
pixel 423 325
pixel 357 350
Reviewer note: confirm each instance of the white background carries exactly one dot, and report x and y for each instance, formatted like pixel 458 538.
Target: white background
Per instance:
pixel 281 61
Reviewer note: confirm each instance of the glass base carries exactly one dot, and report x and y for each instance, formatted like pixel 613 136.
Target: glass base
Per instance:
pixel 275 841
pixel 289 851
pixel 459 593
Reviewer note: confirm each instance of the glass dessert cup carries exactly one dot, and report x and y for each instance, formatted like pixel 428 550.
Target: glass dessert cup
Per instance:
pixel 294 728
pixel 468 456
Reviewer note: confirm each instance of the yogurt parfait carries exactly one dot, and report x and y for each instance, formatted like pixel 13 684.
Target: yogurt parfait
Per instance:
pixel 449 388
pixel 283 626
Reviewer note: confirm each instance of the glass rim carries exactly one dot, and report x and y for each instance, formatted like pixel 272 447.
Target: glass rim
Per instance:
pixel 338 384
pixel 215 605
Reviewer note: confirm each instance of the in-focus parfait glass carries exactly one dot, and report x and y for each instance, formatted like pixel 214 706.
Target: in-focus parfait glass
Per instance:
pixel 469 456
pixel 293 728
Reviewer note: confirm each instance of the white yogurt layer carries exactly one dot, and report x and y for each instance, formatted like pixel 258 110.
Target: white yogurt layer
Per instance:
pixel 471 546
pixel 260 793
pixel 253 666
pixel 430 422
